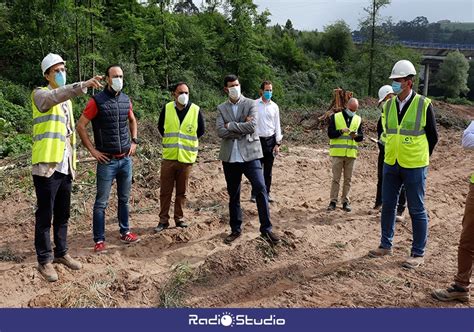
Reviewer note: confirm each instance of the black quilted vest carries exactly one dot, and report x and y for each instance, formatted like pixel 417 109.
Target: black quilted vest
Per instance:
pixel 111 130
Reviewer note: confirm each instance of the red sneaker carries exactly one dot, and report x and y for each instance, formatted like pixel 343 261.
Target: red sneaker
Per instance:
pixel 129 237
pixel 100 247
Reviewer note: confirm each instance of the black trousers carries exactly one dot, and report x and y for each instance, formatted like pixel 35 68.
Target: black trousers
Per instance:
pixel 378 198
pixel 268 143
pixel 53 196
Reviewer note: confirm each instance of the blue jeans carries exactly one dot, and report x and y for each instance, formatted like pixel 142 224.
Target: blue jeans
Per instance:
pixel 233 176
pixel 414 180
pixel 121 171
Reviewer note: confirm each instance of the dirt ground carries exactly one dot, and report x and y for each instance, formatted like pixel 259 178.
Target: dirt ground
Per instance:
pixel 322 261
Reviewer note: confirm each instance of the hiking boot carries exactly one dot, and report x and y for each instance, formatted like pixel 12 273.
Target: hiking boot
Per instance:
pixel 380 252
pixel 48 272
pixel 99 247
pixel 453 293
pixel 231 237
pixel 129 237
pixel 69 262
pixel 271 237
pixel 332 206
pixel 346 207
pixel 161 227
pixel 181 224
pixel 399 217
pixel 253 199
pixel 413 262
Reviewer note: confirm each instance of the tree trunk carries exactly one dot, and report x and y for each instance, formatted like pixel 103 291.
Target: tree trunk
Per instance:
pixel 372 42
pixel 78 56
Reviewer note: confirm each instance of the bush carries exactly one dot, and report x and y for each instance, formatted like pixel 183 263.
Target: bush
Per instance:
pixel 15 94
pixel 18 116
pixel 15 145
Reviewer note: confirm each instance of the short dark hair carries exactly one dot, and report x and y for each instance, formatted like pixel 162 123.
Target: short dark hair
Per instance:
pixel 177 85
pixel 111 66
pixel 230 78
pixel 266 82
pixel 410 77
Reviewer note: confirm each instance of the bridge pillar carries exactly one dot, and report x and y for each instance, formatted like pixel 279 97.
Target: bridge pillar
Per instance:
pixel 426 79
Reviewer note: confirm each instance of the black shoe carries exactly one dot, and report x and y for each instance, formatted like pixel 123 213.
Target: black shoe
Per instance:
pixel 346 207
pixel 270 199
pixel 253 199
pixel 231 237
pixel 181 224
pixel 332 206
pixel 270 236
pixel 161 227
pixel 377 206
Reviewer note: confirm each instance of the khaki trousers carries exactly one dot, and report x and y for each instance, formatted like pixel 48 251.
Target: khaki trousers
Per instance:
pixel 340 164
pixel 466 244
pixel 173 173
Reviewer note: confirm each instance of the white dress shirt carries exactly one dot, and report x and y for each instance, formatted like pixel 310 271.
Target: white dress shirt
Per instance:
pixel 468 137
pixel 268 119
pixel 235 156
pixel 401 103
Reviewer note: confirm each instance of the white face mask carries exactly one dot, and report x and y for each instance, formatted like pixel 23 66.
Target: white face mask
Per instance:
pixel 183 99
pixel 234 92
pixel 117 84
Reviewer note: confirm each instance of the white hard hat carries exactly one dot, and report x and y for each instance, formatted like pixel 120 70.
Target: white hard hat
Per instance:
pixel 384 91
pixel 50 60
pixel 402 68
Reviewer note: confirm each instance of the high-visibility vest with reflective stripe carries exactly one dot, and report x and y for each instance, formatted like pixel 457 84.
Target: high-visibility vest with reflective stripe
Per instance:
pixel 406 143
pixel 49 134
pixel 344 146
pixel 180 141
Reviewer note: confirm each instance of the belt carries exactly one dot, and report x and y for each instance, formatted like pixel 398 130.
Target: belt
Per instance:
pixel 116 156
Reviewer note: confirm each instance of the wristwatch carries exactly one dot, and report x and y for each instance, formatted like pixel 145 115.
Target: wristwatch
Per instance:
pixel 135 140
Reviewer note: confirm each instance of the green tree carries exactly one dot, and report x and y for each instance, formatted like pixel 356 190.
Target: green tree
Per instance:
pixel 470 81
pixel 372 21
pixel 336 40
pixel 453 74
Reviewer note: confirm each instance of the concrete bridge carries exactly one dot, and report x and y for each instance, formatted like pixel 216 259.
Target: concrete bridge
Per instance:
pixel 433 54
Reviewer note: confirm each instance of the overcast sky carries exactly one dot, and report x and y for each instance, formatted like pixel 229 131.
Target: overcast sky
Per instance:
pixel 315 14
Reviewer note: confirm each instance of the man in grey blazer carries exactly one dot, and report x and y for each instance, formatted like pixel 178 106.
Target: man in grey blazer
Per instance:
pixel 240 154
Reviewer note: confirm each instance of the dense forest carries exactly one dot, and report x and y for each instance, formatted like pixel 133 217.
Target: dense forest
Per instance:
pixel 159 42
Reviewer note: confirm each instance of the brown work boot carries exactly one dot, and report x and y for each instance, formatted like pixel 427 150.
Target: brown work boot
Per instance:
pixel 380 252
pixel 232 237
pixel 69 262
pixel 48 272
pixel 453 293
pixel 271 237
pixel 413 262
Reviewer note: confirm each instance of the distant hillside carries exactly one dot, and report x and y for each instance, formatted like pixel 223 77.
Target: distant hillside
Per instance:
pixel 453 26
pixel 421 30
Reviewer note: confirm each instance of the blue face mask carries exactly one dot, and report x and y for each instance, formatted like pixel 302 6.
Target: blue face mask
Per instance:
pixel 397 87
pixel 350 113
pixel 60 78
pixel 267 95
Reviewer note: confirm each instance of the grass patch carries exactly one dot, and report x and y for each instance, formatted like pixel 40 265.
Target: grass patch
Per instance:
pixel 172 293
pixel 97 292
pixel 7 255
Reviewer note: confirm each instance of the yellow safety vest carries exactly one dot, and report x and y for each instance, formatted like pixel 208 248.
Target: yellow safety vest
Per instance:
pixel 406 143
pixel 49 134
pixel 344 146
pixel 472 178
pixel 180 141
